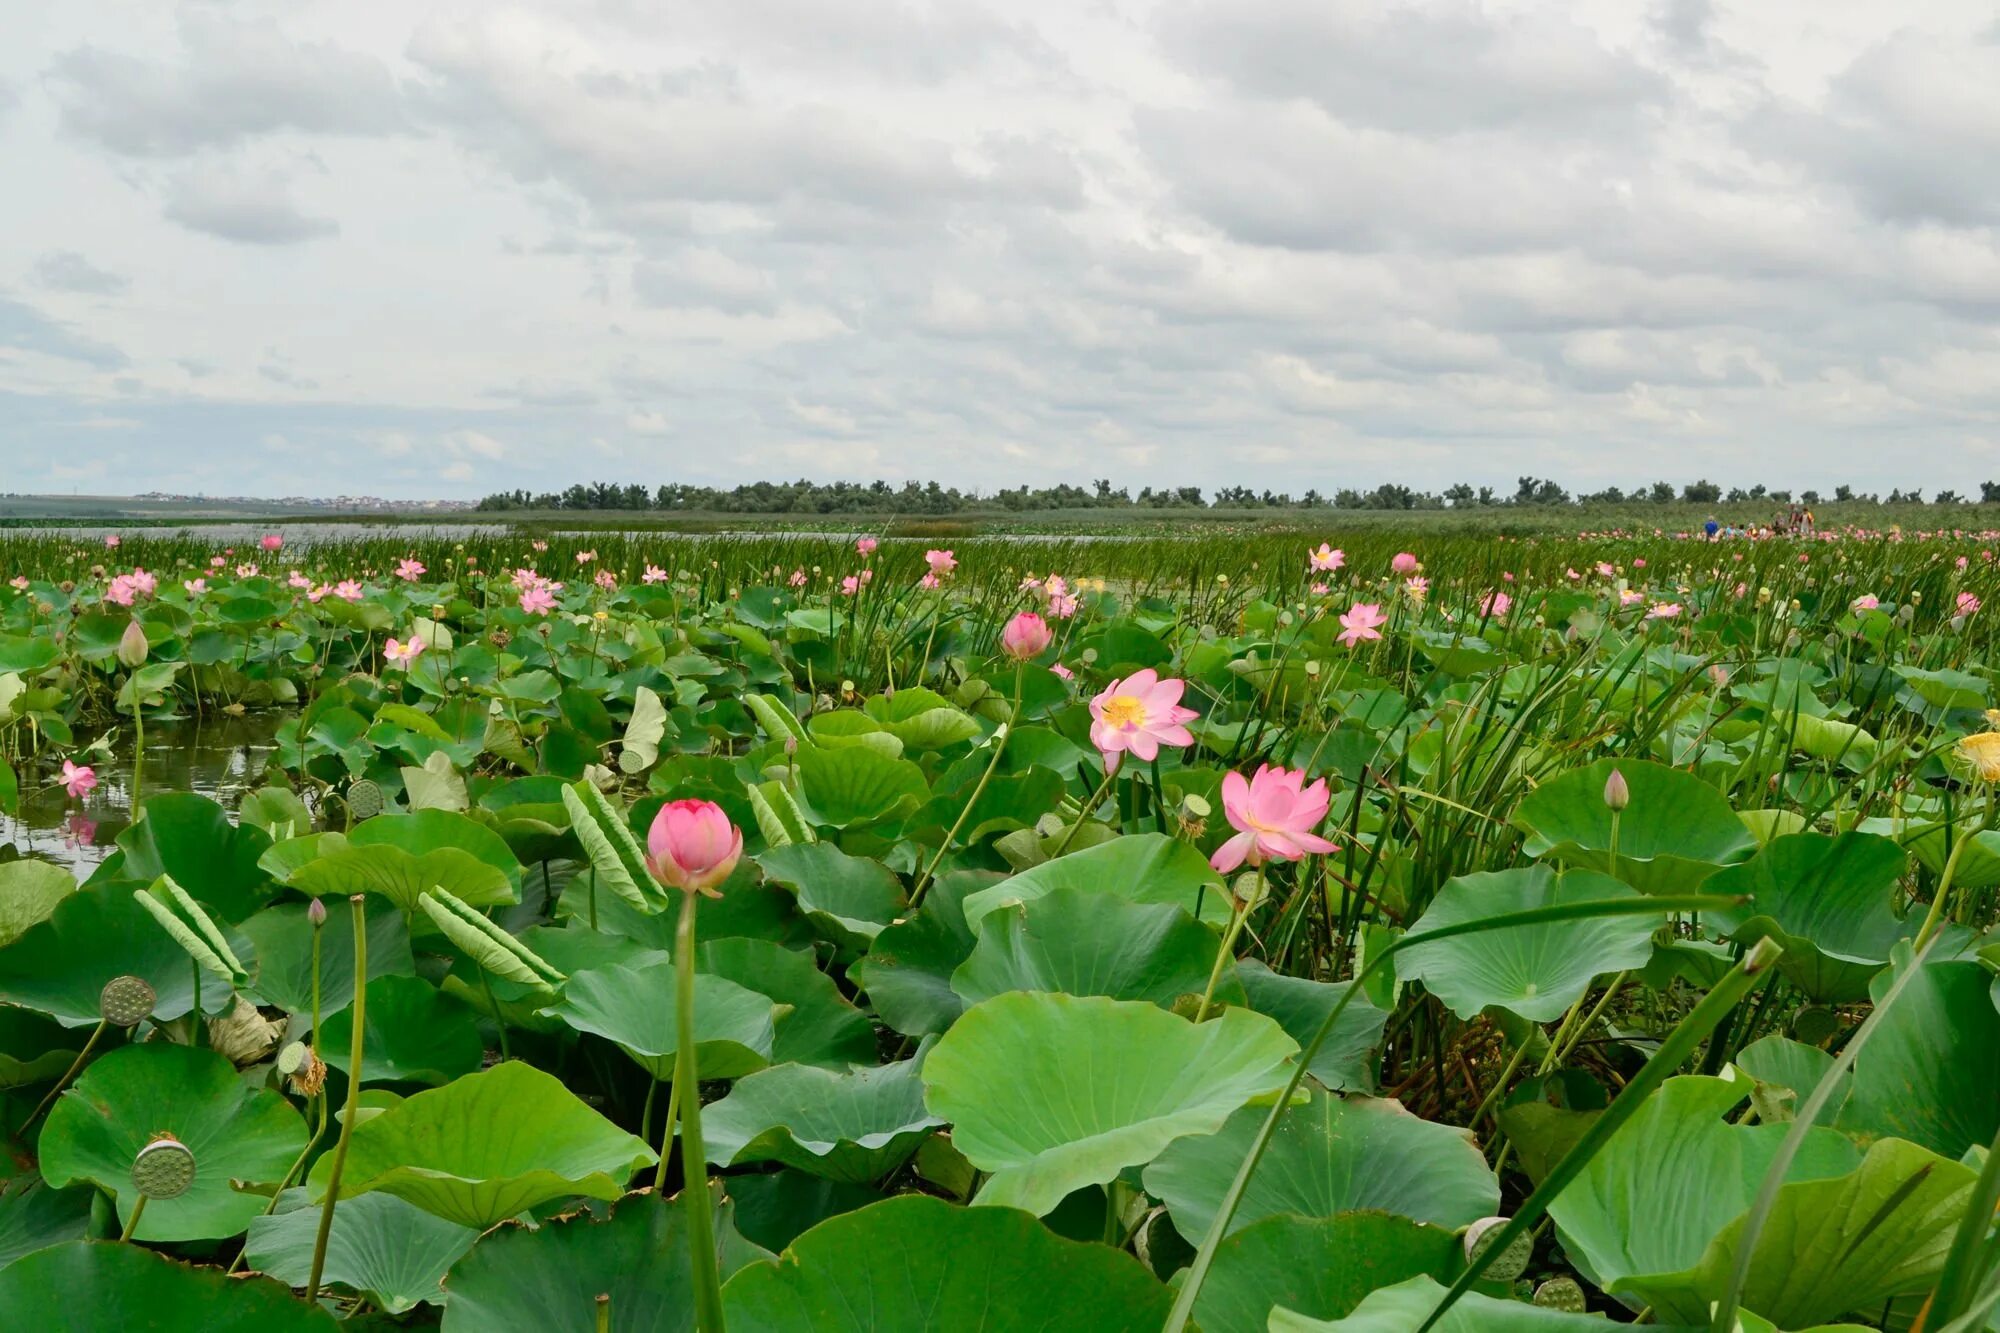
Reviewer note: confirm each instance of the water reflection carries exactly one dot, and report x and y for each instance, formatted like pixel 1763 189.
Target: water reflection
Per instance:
pixel 219 757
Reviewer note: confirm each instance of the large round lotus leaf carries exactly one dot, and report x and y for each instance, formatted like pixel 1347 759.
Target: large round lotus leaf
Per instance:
pixel 919 1265
pixel 34 1216
pixel 99 932
pixel 34 1049
pixel 1930 1073
pixel 633 1005
pixel 392 1252
pixel 1828 900
pixel 1331 1155
pixel 1346 1060
pixel 137 1093
pixel 282 936
pixel 855 785
pixel 1927 839
pixel 1144 867
pixel 192 839
pixel 848 899
pixel 1318 1266
pixel 1535 971
pixel 427 831
pixel 907 973
pixel 487 1147
pixel 921 719
pixel 519 1280
pixel 772 1210
pixel 823 1028
pixel 94 1286
pixel 1674 1176
pixel 29 892
pixel 1403 1307
pixel 414 1034
pixel 854 1127
pixel 403 877
pixel 1831 1247
pixel 1675 833
pixel 1052 1092
pixel 1092 944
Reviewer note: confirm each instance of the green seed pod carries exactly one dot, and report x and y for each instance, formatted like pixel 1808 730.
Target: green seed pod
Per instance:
pixel 1511 1262
pixel 126 1001
pixel 164 1168
pixel 1561 1293
pixel 364 799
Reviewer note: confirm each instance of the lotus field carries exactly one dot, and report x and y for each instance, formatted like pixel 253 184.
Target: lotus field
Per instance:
pixel 1410 931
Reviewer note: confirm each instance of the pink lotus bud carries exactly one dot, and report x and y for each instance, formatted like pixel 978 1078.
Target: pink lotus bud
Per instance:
pixel 316 913
pixel 1026 635
pixel 271 541
pixel 692 846
pixel 1616 794
pixel 132 645
pixel 1404 564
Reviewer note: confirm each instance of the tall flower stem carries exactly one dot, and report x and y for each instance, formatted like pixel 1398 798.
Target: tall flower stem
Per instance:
pixel 1239 913
pixel 1935 917
pixel 694 1157
pixel 358 1016
pixel 1069 836
pixel 1000 736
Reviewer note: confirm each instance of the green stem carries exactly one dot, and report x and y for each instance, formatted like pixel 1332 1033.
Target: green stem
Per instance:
pixel 667 1137
pixel 63 1082
pixel 694 1158
pixel 132 1222
pixel 194 1019
pixel 1935 917
pixel 1069 835
pixel 357 1015
pixel 999 748
pixel 1239 913
pixel 499 1020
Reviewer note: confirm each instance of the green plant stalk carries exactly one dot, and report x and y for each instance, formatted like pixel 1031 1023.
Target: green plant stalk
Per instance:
pixel 667 1136
pixel 1935 917
pixel 1802 1122
pixel 132 1222
pixel 1955 1292
pixel 1000 739
pixel 358 1013
pixel 1183 1311
pixel 96 1035
pixel 1239 913
pixel 694 1157
pixel 1069 835
pixel 1674 1052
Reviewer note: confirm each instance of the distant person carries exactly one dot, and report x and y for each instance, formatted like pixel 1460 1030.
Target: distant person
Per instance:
pixel 1711 527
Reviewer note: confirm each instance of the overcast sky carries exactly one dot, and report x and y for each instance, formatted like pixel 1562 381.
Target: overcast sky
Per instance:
pixel 418 249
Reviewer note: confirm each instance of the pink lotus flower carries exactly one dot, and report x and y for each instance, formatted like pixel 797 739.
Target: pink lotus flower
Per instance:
pixel 692 846
pixel 538 545
pixel 1062 607
pixel 79 780
pixel 1606 569
pixel 1639 562
pixel 941 562
pixel 1571 575
pixel 849 586
pixel 1630 596
pixel 798 578
pixel 318 594
pixel 1418 587
pixel 19 583
pixel 216 562
pixel 1363 620
pixel 653 574
pixel 111 542
pixel 1404 564
pixel 1139 714
pixel 1055 585
pixel 1496 605
pixel 606 580
pixel 120 591
pixel 930 581
pixel 409 569
pixel 271 541
pixel 585 557
pixel 1967 604
pixel 1663 610
pixel 143 583
pixel 1274 815
pixel 402 654
pixel 1025 636
pixel 866 545
pixel 1062 671
pixel 1326 559
pixel 1319 590
pixel 1867 601
pixel 246 571
pixel 347 590
pixel 538 600
pixel 298 580
pixel 195 587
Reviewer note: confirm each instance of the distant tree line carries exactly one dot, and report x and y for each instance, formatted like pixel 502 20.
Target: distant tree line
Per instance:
pixel 880 497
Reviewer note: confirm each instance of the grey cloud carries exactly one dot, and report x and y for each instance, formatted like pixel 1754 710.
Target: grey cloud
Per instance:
pixel 248 209
pixel 231 81
pixel 68 271
pixel 706 278
pixel 26 330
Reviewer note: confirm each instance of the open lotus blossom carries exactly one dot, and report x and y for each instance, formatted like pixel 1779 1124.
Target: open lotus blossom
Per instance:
pixel 120 591
pixel 1319 590
pixel 606 580
pixel 246 570
pixel 849 586
pixel 347 590
pixel 409 569
pixel 538 600
pixel 195 587
pixel 271 541
pixel 1418 587
pixel 692 846
pixel 298 580
pixel 1026 636
pixel 798 578
pixel 941 562
pixel 18 583
pixel 1326 559
pixel 1363 620
pixel 1062 671
pixel 1630 596
pixel 402 654
pixel 929 581
pixel 1404 564
pixel 1274 815
pixel 1867 601
pixel 653 574
pixel 1967 604
pixel 79 780
pixel 1495 605
pixel 1663 610
pixel 1062 606
pixel 319 593
pixel 111 542
pixel 1605 569
pixel 866 545
pixel 1139 714
pixel 585 557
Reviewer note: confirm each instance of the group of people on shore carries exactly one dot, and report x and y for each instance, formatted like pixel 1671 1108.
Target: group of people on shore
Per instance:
pixel 1790 521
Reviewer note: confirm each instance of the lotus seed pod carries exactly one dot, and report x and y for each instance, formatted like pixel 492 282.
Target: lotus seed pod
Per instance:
pixel 364 799
pixel 164 1168
pixel 1815 1024
pixel 1561 1293
pixel 126 1001
pixel 1617 794
pixel 1511 1262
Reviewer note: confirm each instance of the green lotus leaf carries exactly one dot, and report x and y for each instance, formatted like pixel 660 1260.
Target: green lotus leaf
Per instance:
pixel 414 1034
pixel 633 1005
pixel 91 1286
pixel 773 1210
pixel 1092 944
pixel 1403 1307
pixel 133 1095
pixel 428 831
pixel 1828 901
pixel 1536 971
pixel 922 719
pixel 401 877
pixel 1316 1266
pixel 1331 1155
pixel 1675 833
pixel 1052 1092
pixel 1931 1071
pixel 192 839
pixel 392 1252
pixel 487 1147
pixel 847 899
pixel 29 893
pixel 855 786
pixel 34 1216
pixel 1346 1060
pixel 283 938
pixel 1786 1072
pixel 1144 867
pixel 822 1027
pixel 99 932
pixel 902 1264
pixel 907 973
pixel 855 1127
pixel 523 1280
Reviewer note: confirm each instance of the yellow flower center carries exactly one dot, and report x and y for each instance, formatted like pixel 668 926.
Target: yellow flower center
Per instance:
pixel 1982 753
pixel 1124 712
